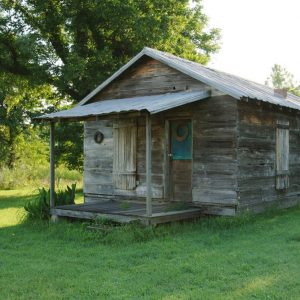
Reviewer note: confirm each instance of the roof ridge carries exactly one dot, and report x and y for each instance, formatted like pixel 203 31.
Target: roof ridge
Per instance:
pixel 233 85
pixel 204 66
pixel 271 89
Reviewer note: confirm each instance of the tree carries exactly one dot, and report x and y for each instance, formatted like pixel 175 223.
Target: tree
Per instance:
pixel 76 44
pixel 282 79
pixel 19 102
pixel 73 45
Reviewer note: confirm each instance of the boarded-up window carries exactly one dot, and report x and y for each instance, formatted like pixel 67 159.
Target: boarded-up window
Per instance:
pixel 124 160
pixel 282 155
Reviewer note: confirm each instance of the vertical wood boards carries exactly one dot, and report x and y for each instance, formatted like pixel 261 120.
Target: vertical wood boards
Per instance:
pixel 124 154
pixel 148 77
pixel 282 155
pixel 181 180
pixel 180 137
pixel 157 151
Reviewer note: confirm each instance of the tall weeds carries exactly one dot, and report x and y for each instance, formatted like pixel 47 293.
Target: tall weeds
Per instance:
pixel 25 175
pixel 39 208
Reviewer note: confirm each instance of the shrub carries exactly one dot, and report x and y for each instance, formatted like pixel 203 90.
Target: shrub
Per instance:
pixel 39 208
pixel 67 196
pixel 26 175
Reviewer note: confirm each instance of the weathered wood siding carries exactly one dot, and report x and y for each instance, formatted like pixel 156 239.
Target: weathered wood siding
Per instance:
pixel 214 164
pixel 98 162
pixel 149 77
pixel 181 180
pixel 215 155
pixel 257 156
pixel 124 153
pixel 157 157
pixel 98 158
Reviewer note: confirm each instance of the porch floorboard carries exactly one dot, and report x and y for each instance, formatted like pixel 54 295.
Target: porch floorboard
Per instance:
pixel 127 212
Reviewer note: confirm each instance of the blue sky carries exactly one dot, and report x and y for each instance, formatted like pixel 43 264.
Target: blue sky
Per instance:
pixel 256 34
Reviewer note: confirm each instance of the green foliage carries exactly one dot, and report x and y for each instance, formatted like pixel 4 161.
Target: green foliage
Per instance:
pixel 281 78
pixel 39 208
pixel 54 51
pixel 19 102
pixel 31 167
pixel 256 259
pixel 124 205
pixel 74 44
pixel 67 196
pixel 25 175
pixel 69 144
pixel 65 176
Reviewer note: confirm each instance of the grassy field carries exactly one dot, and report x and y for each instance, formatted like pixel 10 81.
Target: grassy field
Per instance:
pixel 245 258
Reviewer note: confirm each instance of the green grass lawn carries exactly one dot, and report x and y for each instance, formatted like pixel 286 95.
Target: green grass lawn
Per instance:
pixel 244 258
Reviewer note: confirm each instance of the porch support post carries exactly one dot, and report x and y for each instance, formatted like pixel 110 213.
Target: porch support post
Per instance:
pixel 52 167
pixel 148 166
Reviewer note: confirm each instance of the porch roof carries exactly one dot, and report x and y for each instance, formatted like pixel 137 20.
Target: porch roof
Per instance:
pixel 153 104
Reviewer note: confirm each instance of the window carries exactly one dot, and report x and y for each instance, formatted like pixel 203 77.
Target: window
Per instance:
pixel 124 159
pixel 282 155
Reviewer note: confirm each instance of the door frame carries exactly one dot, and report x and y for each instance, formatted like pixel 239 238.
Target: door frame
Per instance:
pixel 167 166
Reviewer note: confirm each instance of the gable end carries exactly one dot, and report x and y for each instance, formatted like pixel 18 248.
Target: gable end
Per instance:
pixel 148 77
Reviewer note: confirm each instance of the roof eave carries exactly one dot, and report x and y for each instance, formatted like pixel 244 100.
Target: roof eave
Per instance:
pixel 152 104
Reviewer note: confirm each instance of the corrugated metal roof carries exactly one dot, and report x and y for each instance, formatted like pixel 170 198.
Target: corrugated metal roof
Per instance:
pixel 153 104
pixel 232 85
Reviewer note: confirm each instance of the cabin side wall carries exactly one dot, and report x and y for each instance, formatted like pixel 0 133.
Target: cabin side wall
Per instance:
pixel 215 155
pixel 257 156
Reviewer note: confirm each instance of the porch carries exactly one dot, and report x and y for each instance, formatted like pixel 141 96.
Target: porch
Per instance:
pixel 117 168
pixel 129 211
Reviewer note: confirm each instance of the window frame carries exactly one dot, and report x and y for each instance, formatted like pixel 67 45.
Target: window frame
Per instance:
pixel 282 155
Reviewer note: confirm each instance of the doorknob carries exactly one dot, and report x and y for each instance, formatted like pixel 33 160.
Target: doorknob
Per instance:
pixel 170 155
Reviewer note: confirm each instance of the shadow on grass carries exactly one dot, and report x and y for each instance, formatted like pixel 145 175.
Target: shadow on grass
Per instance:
pixel 14 201
pixel 10 201
pixel 127 234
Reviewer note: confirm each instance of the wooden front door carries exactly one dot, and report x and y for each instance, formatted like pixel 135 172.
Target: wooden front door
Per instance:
pixel 181 160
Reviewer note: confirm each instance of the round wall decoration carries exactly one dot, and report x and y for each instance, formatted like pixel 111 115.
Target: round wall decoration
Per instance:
pixel 182 132
pixel 98 137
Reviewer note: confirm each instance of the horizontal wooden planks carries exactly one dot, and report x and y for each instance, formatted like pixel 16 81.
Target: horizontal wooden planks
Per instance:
pixel 149 77
pixel 214 153
pixel 257 156
pixel 98 162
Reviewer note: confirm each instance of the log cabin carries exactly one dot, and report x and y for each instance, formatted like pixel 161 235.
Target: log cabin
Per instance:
pixel 169 139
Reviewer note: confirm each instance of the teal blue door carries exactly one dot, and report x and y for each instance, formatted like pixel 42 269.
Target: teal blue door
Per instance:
pixel 181 137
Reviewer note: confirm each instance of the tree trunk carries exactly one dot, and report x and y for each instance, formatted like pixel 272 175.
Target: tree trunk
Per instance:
pixel 12 155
